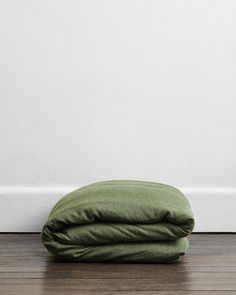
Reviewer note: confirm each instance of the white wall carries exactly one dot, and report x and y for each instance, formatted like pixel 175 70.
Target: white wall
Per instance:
pixel 137 89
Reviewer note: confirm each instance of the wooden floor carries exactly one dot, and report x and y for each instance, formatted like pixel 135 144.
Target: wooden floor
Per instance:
pixel 208 268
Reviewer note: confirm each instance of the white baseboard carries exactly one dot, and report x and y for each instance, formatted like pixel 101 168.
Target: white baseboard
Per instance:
pixel 25 209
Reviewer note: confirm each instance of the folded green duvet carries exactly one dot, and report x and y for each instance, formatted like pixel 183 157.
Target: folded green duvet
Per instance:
pixel 120 221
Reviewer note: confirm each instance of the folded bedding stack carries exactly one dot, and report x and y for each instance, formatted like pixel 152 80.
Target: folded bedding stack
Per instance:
pixel 120 221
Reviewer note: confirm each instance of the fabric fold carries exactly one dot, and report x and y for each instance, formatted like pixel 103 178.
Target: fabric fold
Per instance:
pixel 120 221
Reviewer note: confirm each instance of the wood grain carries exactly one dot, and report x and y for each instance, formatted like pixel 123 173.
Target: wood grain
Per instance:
pixel 208 268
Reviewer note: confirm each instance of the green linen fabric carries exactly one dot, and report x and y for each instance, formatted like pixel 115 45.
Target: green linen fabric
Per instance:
pixel 120 221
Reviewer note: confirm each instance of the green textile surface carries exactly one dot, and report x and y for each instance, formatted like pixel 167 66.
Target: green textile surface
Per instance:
pixel 120 221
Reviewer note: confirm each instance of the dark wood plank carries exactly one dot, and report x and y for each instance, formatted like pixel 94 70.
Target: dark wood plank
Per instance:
pixel 83 274
pixel 95 273
pixel 117 285
pixel 84 292
pixel 189 260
